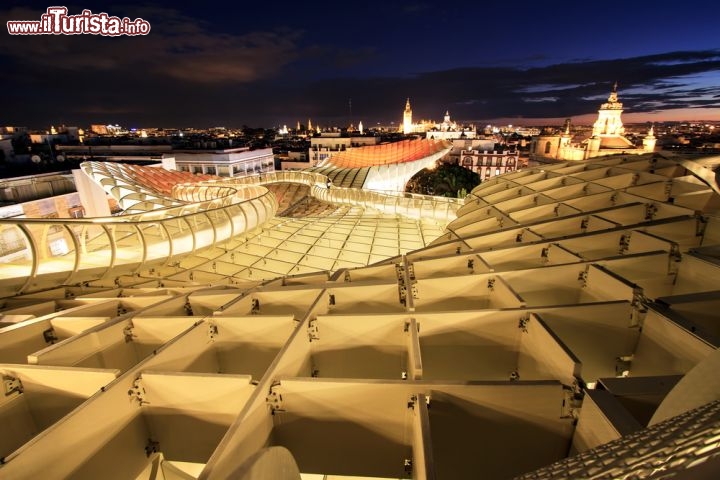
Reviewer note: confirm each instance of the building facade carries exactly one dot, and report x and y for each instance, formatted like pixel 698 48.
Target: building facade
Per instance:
pixel 232 162
pixel 489 164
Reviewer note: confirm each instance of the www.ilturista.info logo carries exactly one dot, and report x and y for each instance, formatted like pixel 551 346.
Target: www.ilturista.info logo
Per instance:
pixel 56 21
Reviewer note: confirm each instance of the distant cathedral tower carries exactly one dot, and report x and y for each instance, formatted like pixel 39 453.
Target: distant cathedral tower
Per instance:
pixel 609 122
pixel 650 140
pixel 407 118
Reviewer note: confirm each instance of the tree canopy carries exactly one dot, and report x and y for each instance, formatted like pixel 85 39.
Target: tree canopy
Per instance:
pixel 447 180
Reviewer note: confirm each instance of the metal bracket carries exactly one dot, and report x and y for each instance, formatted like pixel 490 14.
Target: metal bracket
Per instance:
pixel 399 272
pixel 582 278
pixel 151 447
pixel 622 365
pixel 701 226
pixel 128 333
pixel 624 242
pixel 255 309
pixel 408 466
pixel 50 336
pixel 137 392
pixel 412 402
pixel 522 323
pixel 274 401
pixel 639 308
pixel 212 331
pixel 313 333
pixel 650 211
pixel 674 259
pixel 572 401
pixel 411 271
pixel 12 385
pixel 668 188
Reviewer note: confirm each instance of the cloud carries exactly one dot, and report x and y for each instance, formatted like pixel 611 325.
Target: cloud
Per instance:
pixel 187 73
pixel 178 46
pixel 647 84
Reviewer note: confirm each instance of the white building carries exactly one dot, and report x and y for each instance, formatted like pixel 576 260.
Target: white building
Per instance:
pixel 449 130
pixel 230 162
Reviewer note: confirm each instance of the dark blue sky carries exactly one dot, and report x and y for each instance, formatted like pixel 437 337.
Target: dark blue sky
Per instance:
pixel 273 63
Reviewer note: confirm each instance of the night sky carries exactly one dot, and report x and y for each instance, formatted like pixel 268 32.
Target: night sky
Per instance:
pixel 269 63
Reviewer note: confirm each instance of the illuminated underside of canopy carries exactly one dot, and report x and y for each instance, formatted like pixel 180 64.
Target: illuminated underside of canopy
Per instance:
pixel 560 310
pixel 385 167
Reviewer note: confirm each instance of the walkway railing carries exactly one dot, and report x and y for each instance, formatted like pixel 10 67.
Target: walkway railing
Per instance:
pixel 36 253
pixel 441 209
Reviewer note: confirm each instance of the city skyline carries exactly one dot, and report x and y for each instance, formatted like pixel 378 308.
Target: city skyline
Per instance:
pixel 269 67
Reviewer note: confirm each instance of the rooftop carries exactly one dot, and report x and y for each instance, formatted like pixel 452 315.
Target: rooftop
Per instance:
pixel 559 310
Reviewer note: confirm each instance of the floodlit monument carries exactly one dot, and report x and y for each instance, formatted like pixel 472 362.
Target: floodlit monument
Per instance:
pixel 559 322
pixel 608 137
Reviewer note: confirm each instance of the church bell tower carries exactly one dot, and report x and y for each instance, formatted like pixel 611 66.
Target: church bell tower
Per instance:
pixel 407 118
pixel 609 121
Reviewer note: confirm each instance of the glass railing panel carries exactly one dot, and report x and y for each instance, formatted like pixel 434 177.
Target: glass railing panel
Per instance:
pixel 250 214
pixel 95 250
pixel 181 237
pixel 238 218
pixel 16 257
pixel 157 242
pixel 221 222
pixel 129 245
pixel 202 230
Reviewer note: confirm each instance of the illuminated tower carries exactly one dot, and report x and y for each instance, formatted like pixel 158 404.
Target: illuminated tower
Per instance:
pixel 565 141
pixel 309 125
pixel 609 122
pixel 360 127
pixel 650 140
pixel 407 118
